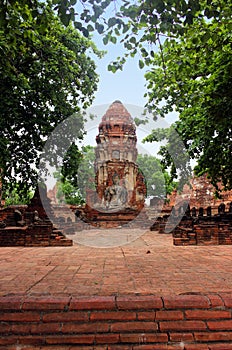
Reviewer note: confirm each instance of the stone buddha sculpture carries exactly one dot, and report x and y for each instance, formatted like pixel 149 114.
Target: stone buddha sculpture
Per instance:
pixel 115 196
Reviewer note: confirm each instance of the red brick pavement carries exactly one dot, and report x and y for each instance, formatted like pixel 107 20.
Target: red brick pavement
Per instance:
pixel 149 265
pixel 119 298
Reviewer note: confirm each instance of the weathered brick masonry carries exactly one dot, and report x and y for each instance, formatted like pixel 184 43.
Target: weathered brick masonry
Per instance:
pixel 198 226
pixel 20 227
pixel 182 322
pixel 204 230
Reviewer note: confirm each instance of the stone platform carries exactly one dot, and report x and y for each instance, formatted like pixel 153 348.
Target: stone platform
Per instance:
pixel 147 294
pixel 113 218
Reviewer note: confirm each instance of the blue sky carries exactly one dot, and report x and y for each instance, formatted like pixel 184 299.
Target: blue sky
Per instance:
pixel 127 85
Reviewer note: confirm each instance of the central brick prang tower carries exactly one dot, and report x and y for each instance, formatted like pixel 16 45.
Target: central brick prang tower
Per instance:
pixel 116 155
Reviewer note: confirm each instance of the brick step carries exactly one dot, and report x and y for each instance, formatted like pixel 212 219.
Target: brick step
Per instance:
pixel 188 322
pixel 177 346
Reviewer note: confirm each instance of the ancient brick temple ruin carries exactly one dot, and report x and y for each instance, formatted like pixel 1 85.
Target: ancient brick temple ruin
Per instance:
pixel 29 226
pixel 198 226
pixel 200 193
pixel 120 186
pixel 206 221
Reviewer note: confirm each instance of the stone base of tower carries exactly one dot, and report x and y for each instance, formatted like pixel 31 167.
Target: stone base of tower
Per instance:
pixel 127 217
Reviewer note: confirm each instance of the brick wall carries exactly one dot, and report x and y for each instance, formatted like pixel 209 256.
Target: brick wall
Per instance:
pixel 205 229
pixel 182 322
pixel 27 232
pixel 203 234
pixel 32 236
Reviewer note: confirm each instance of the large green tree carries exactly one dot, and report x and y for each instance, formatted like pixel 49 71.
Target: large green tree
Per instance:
pixel 158 182
pixel 46 76
pixel 191 73
pixel 76 175
pixel 194 76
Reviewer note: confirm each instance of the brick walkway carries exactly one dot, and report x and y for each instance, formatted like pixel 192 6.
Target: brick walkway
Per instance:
pixel 149 265
pixel 118 298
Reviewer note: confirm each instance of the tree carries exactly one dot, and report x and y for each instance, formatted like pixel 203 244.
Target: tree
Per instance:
pixel 190 73
pixel 46 76
pixel 158 182
pixel 175 161
pixel 196 80
pixel 139 24
pixel 14 197
pixel 76 175
pixel 67 193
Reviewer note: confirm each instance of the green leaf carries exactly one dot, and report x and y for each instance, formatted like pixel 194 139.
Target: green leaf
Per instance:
pixel 112 22
pixel 90 28
pixel 189 18
pixel 98 10
pixel 99 27
pixel 206 37
pixel 133 40
pixel 65 18
pixel 154 20
pixel 85 32
pixel 113 69
pixel 113 39
pixel 159 5
pixel 105 40
pixel 78 25
pixel 125 28
pixel 141 64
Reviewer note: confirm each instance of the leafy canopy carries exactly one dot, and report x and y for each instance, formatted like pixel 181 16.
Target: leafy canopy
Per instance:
pixel 46 76
pixel 158 182
pixel 76 175
pixel 190 73
pixel 138 24
pixel 193 76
